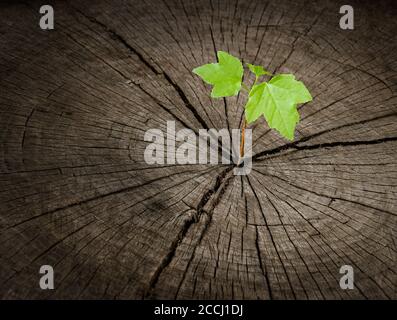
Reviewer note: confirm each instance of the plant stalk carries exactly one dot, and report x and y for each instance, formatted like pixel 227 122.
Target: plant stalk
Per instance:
pixel 242 138
pixel 245 87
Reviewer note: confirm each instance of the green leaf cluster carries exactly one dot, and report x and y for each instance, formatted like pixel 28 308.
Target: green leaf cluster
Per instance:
pixel 276 99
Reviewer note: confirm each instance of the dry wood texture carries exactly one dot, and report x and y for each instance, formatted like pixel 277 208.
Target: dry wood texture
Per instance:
pixel 77 194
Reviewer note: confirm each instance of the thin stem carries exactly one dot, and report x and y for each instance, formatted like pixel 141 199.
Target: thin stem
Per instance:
pixel 242 138
pixel 245 87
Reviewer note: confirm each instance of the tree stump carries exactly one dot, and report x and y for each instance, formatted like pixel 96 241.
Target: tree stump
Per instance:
pixel 76 193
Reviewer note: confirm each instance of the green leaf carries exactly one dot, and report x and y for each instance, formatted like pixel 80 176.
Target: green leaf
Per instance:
pixel 258 70
pixel 277 100
pixel 225 76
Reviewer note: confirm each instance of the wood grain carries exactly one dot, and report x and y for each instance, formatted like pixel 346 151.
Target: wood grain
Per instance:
pixel 77 194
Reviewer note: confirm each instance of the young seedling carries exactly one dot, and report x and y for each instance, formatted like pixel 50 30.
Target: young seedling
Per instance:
pixel 275 99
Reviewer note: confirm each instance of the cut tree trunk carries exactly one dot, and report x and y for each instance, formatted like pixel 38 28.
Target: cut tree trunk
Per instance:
pixel 77 194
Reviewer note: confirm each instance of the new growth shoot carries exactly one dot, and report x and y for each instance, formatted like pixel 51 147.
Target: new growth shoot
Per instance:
pixel 275 99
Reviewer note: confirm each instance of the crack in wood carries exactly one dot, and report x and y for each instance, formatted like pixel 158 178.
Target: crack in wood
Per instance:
pixel 219 185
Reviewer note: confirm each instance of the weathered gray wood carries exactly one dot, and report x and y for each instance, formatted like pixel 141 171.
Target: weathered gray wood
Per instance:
pixel 76 193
